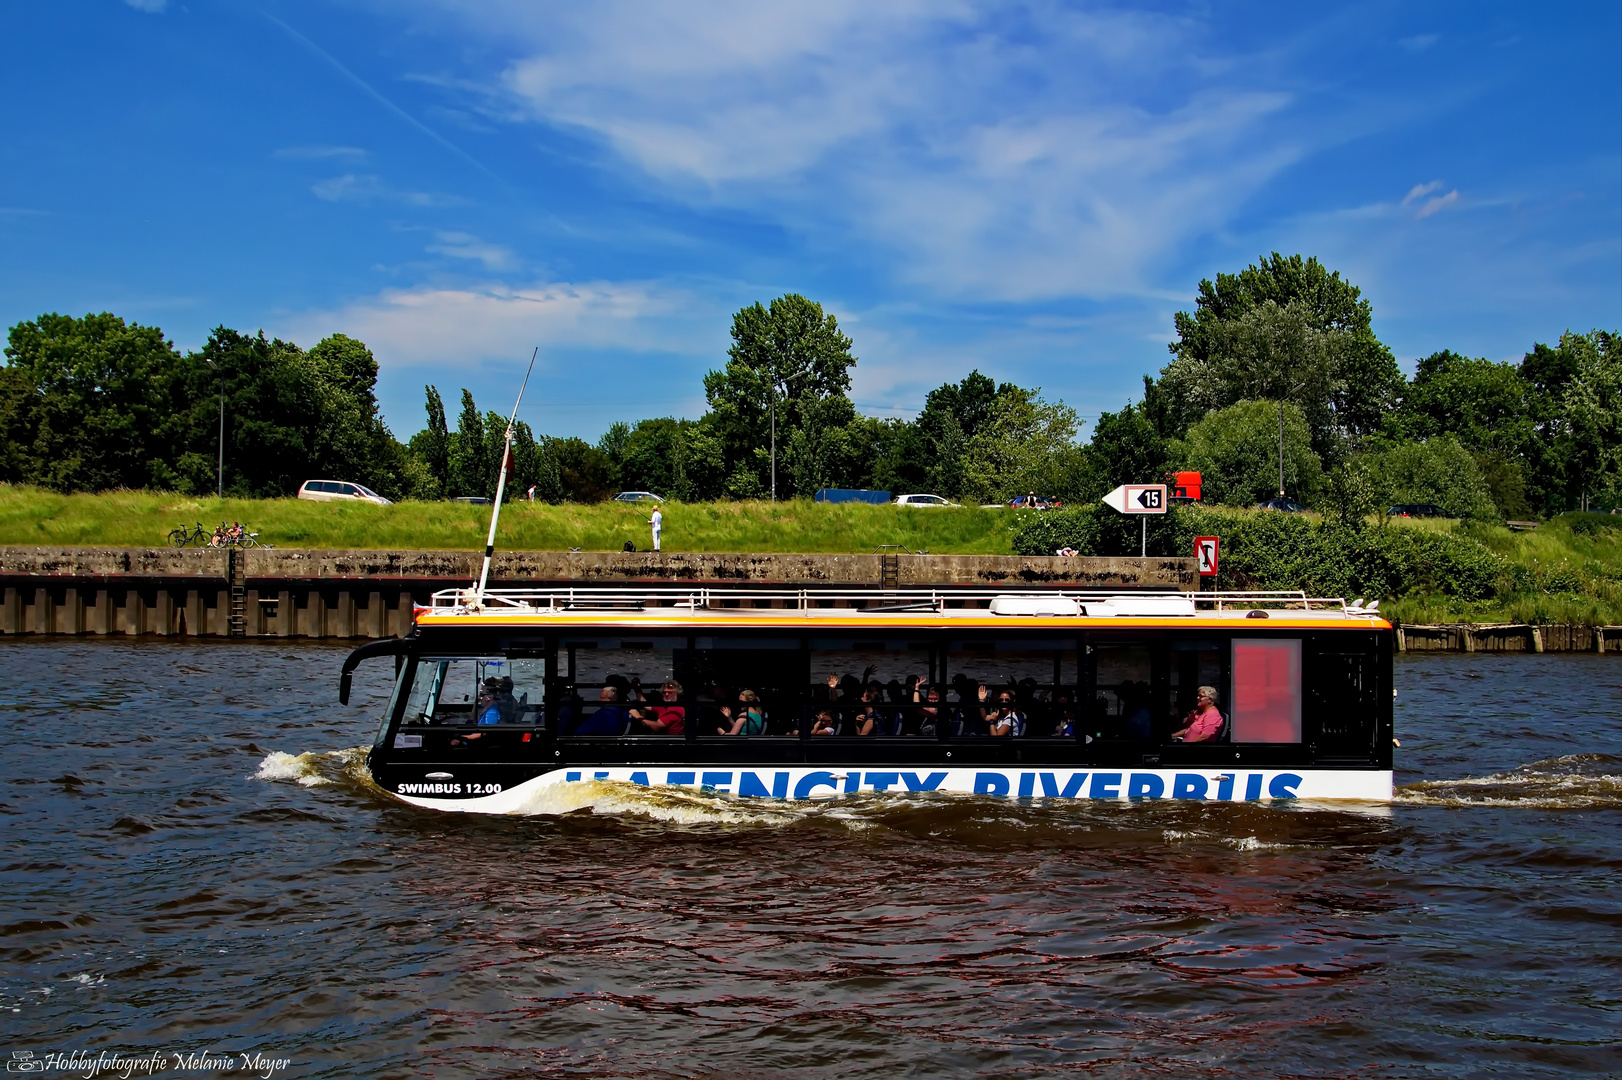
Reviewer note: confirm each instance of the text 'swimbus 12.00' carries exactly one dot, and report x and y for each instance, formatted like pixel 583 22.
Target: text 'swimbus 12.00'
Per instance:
pixel 805 694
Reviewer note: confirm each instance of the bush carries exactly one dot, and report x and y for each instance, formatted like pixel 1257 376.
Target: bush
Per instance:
pixel 1265 550
pixel 1438 471
pixel 1235 450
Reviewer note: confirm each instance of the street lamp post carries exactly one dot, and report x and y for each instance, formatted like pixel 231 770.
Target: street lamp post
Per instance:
pixel 1294 389
pixel 219 483
pixel 1281 448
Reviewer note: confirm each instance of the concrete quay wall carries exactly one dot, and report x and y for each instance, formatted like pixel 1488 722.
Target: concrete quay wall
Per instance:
pixel 292 592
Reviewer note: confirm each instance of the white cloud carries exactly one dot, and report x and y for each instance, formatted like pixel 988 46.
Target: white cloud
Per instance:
pixel 1419 42
pixel 459 245
pixel 364 188
pixel 459 326
pixel 1011 154
pixel 1441 202
pixel 1419 191
pixel 151 7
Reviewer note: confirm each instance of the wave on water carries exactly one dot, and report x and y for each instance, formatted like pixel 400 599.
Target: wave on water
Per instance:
pixel 682 806
pixel 316 768
pixel 1571 782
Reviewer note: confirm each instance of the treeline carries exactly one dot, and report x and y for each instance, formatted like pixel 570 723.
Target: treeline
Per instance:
pixel 94 403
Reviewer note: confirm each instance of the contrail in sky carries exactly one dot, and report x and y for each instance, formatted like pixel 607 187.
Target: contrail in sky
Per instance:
pixel 380 99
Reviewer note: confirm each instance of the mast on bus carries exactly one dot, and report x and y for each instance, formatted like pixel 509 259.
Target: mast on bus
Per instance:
pixel 501 486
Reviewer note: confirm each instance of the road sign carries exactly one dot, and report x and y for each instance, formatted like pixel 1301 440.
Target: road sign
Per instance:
pixel 1138 499
pixel 1205 550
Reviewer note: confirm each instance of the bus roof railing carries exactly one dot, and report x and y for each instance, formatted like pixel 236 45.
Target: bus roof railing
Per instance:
pixel 873 599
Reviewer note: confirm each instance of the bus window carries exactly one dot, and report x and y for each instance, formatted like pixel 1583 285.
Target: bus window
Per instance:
pixel 1266 690
pixel 615 686
pixel 1195 663
pixel 1342 689
pixel 1039 677
pixel 1123 693
pixel 473 707
pixel 863 686
pixel 744 686
pixel 476 691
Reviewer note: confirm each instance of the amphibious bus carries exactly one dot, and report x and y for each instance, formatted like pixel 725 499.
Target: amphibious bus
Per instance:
pixel 805 694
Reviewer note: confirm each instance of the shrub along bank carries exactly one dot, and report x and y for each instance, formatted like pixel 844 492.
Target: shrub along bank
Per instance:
pixel 1570 570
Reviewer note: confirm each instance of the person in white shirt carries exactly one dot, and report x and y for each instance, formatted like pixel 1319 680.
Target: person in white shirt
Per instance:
pixel 658 522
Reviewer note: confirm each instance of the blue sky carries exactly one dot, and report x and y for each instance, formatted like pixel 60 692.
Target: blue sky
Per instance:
pixel 1030 189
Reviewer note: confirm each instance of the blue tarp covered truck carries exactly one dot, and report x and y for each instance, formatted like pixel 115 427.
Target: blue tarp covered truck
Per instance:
pixel 839 495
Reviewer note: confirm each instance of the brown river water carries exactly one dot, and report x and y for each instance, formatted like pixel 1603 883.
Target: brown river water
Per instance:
pixel 195 864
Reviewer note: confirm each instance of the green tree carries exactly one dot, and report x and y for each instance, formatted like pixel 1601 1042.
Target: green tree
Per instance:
pixel 1125 448
pixel 783 362
pixel 350 439
pixel 433 444
pixel 1269 352
pixel 272 410
pixel 1026 445
pixel 1363 377
pixel 1439 470
pixel 582 469
pixel 90 397
pixel 952 415
pixel 1481 403
pixel 1592 402
pixel 612 445
pixel 535 465
pixel 1236 452
pixel 472 472
pixel 16 425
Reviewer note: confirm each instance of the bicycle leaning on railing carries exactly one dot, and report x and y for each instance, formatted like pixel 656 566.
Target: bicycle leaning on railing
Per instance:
pixel 185 537
pixel 223 537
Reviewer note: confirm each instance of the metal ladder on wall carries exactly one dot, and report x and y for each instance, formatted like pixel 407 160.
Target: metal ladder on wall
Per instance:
pixel 236 572
pixel 889 571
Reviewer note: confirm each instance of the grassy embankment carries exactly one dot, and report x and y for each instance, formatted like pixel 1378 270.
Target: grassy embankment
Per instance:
pixel 1567 571
pixel 144 518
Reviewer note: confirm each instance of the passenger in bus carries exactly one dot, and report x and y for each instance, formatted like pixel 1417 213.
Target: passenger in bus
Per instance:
pixel 609 719
pixel 510 706
pixel 1006 720
pixel 746 718
pixel 826 723
pixel 488 710
pixel 668 718
pixel 1064 715
pixel 929 710
pixel 869 719
pixel 1134 698
pixel 1204 722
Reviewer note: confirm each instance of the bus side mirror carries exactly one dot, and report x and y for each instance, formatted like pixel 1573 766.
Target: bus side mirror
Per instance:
pixel 345 681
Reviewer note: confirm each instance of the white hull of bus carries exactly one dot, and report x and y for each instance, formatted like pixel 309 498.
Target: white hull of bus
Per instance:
pixel 802 783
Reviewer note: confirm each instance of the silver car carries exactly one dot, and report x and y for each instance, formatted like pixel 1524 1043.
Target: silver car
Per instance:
pixel 339 491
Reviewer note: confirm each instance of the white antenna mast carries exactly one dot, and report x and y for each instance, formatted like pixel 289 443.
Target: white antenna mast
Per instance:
pixel 501 486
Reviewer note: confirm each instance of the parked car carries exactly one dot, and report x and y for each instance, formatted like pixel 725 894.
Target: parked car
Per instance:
pixel 922 500
pixel 1288 506
pixel 637 496
pixel 1413 510
pixel 474 500
pixel 339 491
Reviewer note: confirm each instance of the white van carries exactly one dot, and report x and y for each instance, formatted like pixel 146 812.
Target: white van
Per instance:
pixel 339 491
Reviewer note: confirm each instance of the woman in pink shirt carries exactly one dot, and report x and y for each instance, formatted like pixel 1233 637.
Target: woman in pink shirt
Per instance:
pixel 1204 722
